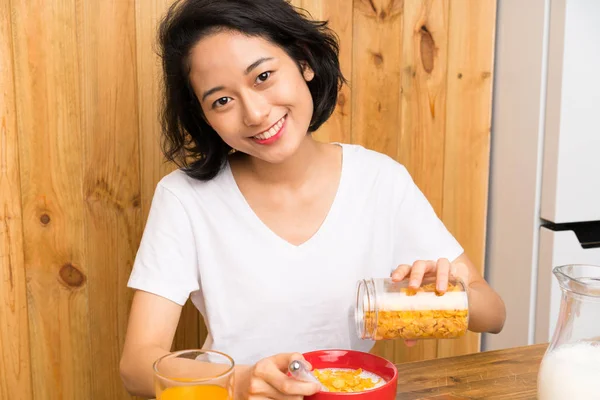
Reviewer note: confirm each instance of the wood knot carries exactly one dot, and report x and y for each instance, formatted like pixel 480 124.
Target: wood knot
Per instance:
pixel 485 75
pixel 393 10
pixel 410 71
pixel 460 75
pixel 367 7
pixel 341 100
pixel 71 276
pixel 382 13
pixel 136 200
pixel 378 59
pixel 45 219
pixel 427 49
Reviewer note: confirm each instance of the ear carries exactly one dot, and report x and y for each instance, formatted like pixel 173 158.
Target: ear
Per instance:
pixel 307 71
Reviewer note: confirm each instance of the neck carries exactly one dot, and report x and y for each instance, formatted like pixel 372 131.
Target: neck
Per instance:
pixel 294 171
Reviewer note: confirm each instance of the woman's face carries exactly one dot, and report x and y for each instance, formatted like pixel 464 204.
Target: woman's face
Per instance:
pixel 252 93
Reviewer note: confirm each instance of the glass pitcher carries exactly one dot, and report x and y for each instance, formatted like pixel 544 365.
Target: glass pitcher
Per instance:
pixel 570 368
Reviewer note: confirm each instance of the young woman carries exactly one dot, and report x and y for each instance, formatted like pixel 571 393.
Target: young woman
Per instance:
pixel 265 228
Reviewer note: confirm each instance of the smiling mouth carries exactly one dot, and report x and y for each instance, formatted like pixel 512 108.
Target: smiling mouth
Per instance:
pixel 272 131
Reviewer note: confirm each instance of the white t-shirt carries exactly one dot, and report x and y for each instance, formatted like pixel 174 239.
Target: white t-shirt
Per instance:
pixel 260 295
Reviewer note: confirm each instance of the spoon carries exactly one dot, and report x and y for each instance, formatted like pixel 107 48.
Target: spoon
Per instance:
pixel 299 371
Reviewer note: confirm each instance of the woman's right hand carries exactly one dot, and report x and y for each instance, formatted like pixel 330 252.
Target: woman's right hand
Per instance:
pixel 268 379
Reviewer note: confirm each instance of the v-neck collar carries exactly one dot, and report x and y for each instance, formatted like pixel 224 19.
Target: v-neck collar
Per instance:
pixel 260 226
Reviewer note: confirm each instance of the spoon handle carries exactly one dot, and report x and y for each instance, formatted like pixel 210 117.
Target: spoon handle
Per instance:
pixel 299 371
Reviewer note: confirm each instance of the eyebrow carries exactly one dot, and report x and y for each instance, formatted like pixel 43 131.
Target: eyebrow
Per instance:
pixel 249 69
pixel 211 91
pixel 256 64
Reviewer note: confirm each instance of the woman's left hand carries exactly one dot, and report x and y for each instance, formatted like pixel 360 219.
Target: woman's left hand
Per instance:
pixel 442 269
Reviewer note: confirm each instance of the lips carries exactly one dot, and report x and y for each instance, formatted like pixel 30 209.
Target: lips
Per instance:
pixel 272 131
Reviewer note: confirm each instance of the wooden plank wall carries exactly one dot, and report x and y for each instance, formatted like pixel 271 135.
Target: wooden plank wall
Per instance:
pixel 15 358
pixel 79 161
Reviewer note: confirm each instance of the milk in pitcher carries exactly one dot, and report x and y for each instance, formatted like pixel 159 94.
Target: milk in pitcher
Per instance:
pixel 571 372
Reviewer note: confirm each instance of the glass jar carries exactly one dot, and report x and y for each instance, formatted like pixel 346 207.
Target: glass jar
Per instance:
pixel 391 310
pixel 570 368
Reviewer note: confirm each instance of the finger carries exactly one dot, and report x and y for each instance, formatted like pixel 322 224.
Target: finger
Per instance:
pixel 400 272
pixel 283 361
pixel 292 386
pixel 460 271
pixel 271 370
pixel 306 364
pixel 259 389
pixel 410 343
pixel 418 270
pixel 261 397
pixel 442 274
pixel 289 389
pixel 276 396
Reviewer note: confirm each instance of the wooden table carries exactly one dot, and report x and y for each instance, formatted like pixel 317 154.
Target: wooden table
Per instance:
pixel 502 374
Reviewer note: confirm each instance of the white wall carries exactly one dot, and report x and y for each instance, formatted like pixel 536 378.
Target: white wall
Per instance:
pixel 517 137
pixel 545 153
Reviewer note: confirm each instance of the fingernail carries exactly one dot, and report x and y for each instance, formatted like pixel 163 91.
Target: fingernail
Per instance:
pixel 413 283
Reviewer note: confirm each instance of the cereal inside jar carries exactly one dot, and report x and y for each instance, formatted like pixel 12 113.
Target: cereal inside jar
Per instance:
pixel 391 310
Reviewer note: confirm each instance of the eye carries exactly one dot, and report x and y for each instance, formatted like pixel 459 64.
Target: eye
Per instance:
pixel 221 102
pixel 263 77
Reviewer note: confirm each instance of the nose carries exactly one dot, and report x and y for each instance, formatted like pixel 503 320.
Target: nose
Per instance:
pixel 256 109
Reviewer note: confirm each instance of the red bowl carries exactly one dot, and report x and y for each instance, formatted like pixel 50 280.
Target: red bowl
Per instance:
pixel 355 359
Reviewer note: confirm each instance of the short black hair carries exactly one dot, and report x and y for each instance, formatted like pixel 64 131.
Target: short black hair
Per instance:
pixel 188 140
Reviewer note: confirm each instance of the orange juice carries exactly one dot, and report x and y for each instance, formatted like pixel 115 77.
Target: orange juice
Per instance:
pixel 195 393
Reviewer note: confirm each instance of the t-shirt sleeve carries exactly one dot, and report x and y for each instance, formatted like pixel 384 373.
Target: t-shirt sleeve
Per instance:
pixel 421 234
pixel 166 261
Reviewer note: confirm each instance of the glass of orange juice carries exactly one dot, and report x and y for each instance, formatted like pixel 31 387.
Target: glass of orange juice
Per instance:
pixel 194 375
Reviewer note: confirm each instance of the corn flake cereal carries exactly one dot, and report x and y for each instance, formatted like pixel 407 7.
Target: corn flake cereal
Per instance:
pixel 347 380
pixel 438 324
pixel 419 324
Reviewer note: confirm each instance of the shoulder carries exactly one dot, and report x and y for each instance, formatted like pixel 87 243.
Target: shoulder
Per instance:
pixel 179 191
pixel 183 186
pixel 177 181
pixel 373 165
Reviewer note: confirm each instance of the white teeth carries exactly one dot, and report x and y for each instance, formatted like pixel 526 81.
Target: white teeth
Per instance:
pixel 271 132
